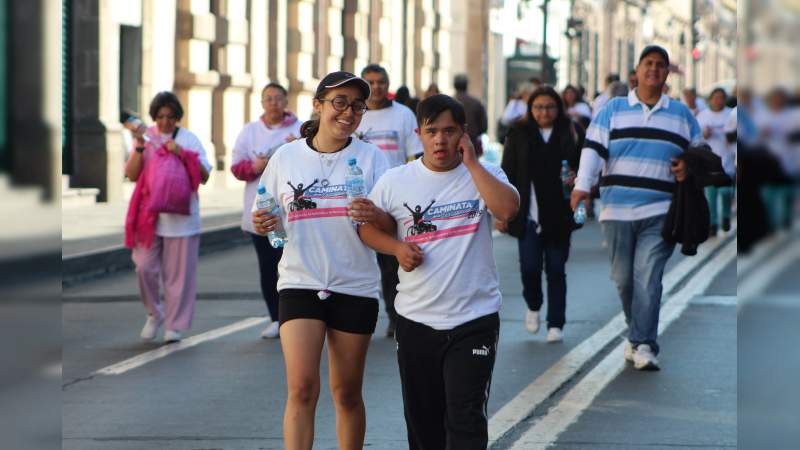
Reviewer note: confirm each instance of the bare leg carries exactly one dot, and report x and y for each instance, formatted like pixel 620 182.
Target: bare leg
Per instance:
pixel 347 354
pixel 301 341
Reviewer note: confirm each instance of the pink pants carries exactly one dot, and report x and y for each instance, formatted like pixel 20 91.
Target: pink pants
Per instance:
pixel 173 259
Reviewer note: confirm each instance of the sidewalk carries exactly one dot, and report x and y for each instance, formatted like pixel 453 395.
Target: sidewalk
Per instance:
pixel 93 236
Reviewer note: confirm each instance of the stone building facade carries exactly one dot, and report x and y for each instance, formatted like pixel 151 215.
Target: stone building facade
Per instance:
pixel 217 54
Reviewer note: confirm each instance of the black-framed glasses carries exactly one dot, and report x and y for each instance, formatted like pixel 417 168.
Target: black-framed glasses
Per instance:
pixel 544 107
pixel 340 104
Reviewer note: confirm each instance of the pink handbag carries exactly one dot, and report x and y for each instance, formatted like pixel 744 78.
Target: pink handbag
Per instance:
pixel 168 182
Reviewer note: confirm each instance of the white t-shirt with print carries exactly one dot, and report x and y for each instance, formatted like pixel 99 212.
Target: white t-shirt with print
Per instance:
pixel 256 139
pixel 716 121
pixel 324 251
pixel 392 130
pixel 178 225
pixel 457 281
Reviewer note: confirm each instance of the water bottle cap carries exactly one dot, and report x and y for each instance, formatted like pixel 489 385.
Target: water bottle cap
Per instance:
pixel 351 161
pixel 262 189
pixel 564 162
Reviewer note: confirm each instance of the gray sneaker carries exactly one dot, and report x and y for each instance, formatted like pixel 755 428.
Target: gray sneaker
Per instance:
pixel 644 359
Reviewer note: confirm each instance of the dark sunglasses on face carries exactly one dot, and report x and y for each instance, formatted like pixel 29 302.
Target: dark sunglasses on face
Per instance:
pixel 340 104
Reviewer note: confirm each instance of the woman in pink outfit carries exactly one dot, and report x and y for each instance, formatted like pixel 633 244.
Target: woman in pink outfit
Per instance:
pixel 164 245
pixel 256 144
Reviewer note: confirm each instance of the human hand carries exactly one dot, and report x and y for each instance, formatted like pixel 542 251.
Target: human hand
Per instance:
pixel 362 210
pixel 264 222
pixel 173 147
pixel 260 163
pixel 679 169
pixel 467 150
pixel 577 197
pixel 571 178
pixel 409 255
pixel 501 226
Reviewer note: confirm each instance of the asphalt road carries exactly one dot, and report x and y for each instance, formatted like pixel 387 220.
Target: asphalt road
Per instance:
pixel 228 392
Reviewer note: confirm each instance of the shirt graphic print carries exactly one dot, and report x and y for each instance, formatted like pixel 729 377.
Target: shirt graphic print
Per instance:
pixel 436 222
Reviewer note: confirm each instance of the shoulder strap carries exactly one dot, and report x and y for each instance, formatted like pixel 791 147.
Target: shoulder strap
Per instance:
pixel 175 133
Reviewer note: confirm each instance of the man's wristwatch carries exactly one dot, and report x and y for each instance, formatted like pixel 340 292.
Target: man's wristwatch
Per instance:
pixel 139 149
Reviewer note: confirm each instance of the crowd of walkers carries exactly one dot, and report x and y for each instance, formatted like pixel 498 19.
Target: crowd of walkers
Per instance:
pixel 421 236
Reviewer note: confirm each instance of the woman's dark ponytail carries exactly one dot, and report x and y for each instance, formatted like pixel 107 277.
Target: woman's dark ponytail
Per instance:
pixel 309 128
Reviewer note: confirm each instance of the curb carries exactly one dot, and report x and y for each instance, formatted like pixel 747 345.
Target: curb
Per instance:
pixel 93 264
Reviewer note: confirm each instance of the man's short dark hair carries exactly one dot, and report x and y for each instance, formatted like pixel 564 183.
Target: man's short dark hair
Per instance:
pixel 430 108
pixel 375 68
pixel 275 86
pixel 168 99
pixel 460 82
pixel 612 77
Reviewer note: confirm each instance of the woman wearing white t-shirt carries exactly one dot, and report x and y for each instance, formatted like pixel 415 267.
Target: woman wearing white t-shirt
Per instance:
pixel 328 284
pixel 256 144
pixel 712 121
pixel 165 245
pixel 577 108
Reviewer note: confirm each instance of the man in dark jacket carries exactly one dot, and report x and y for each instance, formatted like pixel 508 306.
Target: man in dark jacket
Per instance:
pixel 474 110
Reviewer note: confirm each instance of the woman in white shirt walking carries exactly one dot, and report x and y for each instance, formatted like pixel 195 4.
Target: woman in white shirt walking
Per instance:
pixel 328 284
pixel 254 147
pixel 712 121
pixel 164 245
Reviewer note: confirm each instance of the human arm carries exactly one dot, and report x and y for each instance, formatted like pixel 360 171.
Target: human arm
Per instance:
pixel 363 211
pixel 409 255
pixel 135 162
pixel 501 198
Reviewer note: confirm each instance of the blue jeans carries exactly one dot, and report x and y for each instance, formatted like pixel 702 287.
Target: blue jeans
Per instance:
pixel 535 252
pixel 638 256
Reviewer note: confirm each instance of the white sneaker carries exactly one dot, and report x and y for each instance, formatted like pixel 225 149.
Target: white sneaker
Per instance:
pixel 532 321
pixel 555 335
pixel 150 328
pixel 644 359
pixel 272 331
pixel 628 351
pixel 172 336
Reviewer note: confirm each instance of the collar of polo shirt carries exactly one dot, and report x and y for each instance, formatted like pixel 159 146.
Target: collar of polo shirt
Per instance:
pixel 633 99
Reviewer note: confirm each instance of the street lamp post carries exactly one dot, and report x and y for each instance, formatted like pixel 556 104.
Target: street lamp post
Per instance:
pixel 544 65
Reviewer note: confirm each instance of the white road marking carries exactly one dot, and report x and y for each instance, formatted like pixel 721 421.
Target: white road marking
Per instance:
pixel 759 279
pixel 562 371
pixel 715 300
pixel 162 352
pixel 761 252
pixel 545 432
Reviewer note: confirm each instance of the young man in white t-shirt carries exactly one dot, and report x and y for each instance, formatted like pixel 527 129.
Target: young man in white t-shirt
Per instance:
pixel 448 297
pixel 390 126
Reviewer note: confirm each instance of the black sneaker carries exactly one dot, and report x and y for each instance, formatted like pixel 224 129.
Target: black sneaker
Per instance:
pixel 726 224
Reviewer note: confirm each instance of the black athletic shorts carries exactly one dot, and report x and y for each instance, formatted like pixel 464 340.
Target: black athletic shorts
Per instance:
pixel 342 312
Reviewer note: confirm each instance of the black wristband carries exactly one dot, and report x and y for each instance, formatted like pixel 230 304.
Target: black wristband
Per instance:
pixel 139 149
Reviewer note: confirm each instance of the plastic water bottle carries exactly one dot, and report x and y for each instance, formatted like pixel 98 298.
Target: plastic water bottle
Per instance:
pixel 264 200
pixel 136 124
pixel 565 178
pixel 580 214
pixel 354 181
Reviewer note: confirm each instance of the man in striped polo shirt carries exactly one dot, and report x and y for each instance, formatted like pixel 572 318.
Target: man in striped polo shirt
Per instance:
pixel 634 142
